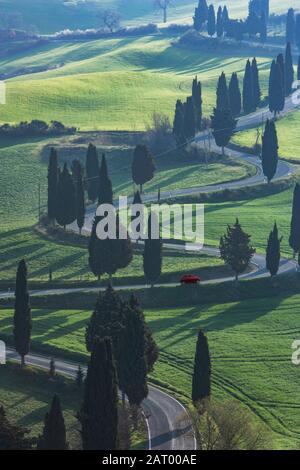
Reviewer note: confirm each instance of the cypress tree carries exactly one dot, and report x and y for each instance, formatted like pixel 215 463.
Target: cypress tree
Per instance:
pixel 290 26
pixel 297 31
pixel 189 120
pixel 79 377
pixel 22 314
pixel 289 70
pixel 263 33
pixel 256 84
pixel 276 89
pixel 52 370
pixel 201 385
pixel 66 199
pixel 105 186
pixel 197 100
pixel 248 90
pixel 280 62
pixel 142 166
pixel 236 249
pixel 92 173
pixel 220 26
pixel 222 93
pixel 273 251
pixel 134 358
pixel 152 259
pixel 152 352
pixel 223 125
pixel 80 201
pixel 54 432
pixel 211 21
pixel 13 437
pixel 294 239
pixel 235 98
pixel 269 153
pixel 99 412
pixel 178 124
pixel 225 17
pixel 201 15
pixel 53 175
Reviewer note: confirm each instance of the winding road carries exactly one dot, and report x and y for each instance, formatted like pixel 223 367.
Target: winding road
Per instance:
pixel 168 422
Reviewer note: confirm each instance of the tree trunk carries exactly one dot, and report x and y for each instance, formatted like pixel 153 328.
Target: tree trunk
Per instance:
pixel 22 360
pixel 123 399
pixel 141 188
pixel 111 280
pixel 223 151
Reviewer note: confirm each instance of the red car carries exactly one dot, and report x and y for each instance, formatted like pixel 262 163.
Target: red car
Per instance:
pixel 190 279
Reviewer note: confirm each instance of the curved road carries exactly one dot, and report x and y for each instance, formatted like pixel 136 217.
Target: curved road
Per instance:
pixel 168 423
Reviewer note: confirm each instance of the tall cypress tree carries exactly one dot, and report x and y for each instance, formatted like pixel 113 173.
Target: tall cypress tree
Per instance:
pixel 105 186
pixel 92 172
pixel 80 201
pixel 236 249
pixel 143 166
pixel 269 155
pixel 273 251
pixel 201 15
pixel 178 124
pixel 256 84
pixel 297 31
pixel 189 120
pixel 152 259
pixel 223 125
pixel 201 385
pixel 220 26
pixel 280 62
pixel 289 70
pixel 99 412
pixel 248 90
pixel 134 358
pixel 276 89
pixel 22 314
pixel 235 98
pixel 197 100
pixel 211 21
pixel 54 432
pixel 53 175
pixel 222 93
pixel 294 239
pixel 66 199
pixel 263 33
pixel 225 17
pixel 290 26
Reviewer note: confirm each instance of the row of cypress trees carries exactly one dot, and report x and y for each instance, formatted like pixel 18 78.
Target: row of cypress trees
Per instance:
pixel 66 199
pixel 281 80
pixel 188 115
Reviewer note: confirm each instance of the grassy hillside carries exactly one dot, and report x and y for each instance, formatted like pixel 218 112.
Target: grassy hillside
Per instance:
pixel 250 343
pixel 113 84
pixel 49 16
pixel 288 129
pixel 26 397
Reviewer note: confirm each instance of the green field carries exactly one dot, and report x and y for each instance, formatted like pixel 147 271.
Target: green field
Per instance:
pixel 26 397
pixel 288 129
pixel 114 83
pixel 49 16
pixel 250 343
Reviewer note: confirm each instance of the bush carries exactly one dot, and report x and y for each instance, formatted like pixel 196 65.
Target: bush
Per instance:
pixel 35 128
pixel 159 134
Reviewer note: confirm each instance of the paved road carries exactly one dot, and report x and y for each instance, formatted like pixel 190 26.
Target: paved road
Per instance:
pixel 168 423
pixel 167 420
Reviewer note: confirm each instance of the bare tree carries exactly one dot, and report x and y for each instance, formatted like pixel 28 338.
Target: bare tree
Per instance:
pixel 110 19
pixel 163 5
pixel 229 426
